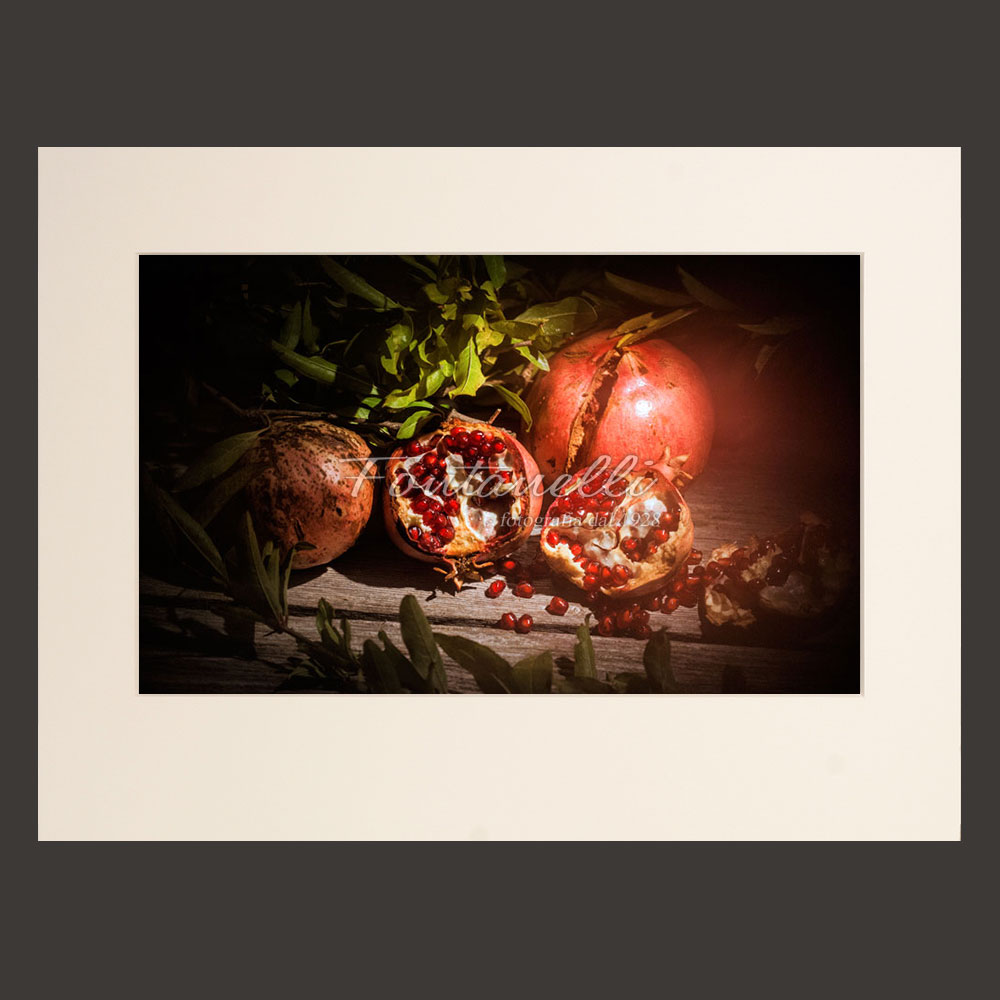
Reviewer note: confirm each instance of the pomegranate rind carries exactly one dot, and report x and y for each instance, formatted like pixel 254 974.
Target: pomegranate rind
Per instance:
pixel 648 399
pixel 468 553
pixel 310 484
pixel 603 543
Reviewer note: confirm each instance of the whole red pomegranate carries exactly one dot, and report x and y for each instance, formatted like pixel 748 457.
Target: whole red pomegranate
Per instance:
pixel 310 484
pixel 617 533
pixel 645 398
pixel 462 496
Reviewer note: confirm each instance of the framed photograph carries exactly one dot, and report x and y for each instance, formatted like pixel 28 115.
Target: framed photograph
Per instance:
pixel 638 453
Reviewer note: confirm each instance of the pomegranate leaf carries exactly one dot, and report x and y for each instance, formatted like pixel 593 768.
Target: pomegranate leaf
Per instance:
pixel 291 329
pixel 252 580
pixel 412 424
pixel 492 673
pixel 354 285
pixel 585 663
pixel 533 674
pixel 704 294
pixel 189 528
pixel 570 315
pixel 310 332
pixel 515 401
pixel 217 459
pixel 409 676
pixel 379 673
pixel 647 293
pixel 656 660
pixel 420 644
pixel 634 330
pixel 468 372
pixel 497 271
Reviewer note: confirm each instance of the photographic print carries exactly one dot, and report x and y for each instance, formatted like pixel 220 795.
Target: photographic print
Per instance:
pixel 505 474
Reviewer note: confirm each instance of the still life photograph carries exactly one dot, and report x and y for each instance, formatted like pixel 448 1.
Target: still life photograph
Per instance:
pixel 502 474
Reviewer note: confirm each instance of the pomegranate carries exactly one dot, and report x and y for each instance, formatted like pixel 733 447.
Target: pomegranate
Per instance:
pixel 617 533
pixel 310 483
pixel 645 398
pixel 462 496
pixel 789 582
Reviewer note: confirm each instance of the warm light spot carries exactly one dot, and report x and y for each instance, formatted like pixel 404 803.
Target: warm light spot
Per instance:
pixel 643 407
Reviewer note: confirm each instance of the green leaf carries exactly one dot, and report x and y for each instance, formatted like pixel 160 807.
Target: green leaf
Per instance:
pixel 379 672
pixel 515 330
pixel 634 330
pixel 536 359
pixel 656 660
pixel 422 268
pixel 319 369
pixel 497 271
pixel 647 293
pixel 492 673
pixel 412 424
pixel 397 340
pixel 705 295
pixel 533 674
pixel 584 661
pixel 251 581
pixel 310 331
pixel 776 326
pixel 515 401
pixel 566 316
pixel 291 329
pixel 419 641
pixel 468 372
pixel 355 285
pixel 410 677
pixel 222 492
pixel 189 528
pixel 220 457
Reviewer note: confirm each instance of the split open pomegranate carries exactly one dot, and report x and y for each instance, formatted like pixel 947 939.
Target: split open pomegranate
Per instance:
pixel 462 497
pixel 645 398
pixel 615 533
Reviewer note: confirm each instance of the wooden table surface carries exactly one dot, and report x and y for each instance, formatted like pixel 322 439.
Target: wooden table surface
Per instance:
pixel 194 640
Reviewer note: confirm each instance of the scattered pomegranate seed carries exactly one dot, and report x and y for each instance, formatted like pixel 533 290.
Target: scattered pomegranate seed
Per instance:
pixel 677 586
pixel 714 568
pixel 670 605
pixel 653 603
pixel 508 565
pixel 624 618
pixel 557 606
pixel 694 557
pixel 642 631
pixel 606 625
pixel 524 589
pixel 496 588
pixel 508 621
pixel 524 624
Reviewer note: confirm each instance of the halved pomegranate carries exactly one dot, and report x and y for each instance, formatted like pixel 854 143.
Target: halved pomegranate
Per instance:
pixel 616 533
pixel 645 398
pixel 463 496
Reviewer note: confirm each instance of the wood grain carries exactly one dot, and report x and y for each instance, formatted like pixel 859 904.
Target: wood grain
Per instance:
pixel 195 640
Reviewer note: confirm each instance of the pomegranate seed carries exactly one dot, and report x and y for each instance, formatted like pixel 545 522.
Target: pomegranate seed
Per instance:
pixel 688 599
pixel 414 532
pixel 508 565
pixel 697 572
pixel 642 631
pixel 428 518
pixel 414 447
pixel 694 557
pixel 620 575
pixel 498 446
pixel 670 605
pixel 576 548
pixel 629 545
pixel 590 582
pixel 624 618
pixel 606 575
pixel 779 570
pixel 723 561
pixel 661 534
pixel 678 586
pixel 714 568
pixel 524 589
pixel 496 588
pixel 462 438
pixel 476 437
pixel 452 506
pixel 606 625
pixel 430 459
pixel 441 521
pixel 508 621
pixel 557 606
pixel 653 549
pixel 640 616
pixel 593 567
pixel 446 534
pixel 431 541
pixel 470 453
pixel 653 603
pixel 524 624
pixel 552 539
pixel 448 443
pixel 581 560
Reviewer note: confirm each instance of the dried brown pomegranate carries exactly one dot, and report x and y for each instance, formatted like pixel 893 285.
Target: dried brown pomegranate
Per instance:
pixel 645 398
pixel 617 533
pixel 310 483
pixel 792 580
pixel 462 496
